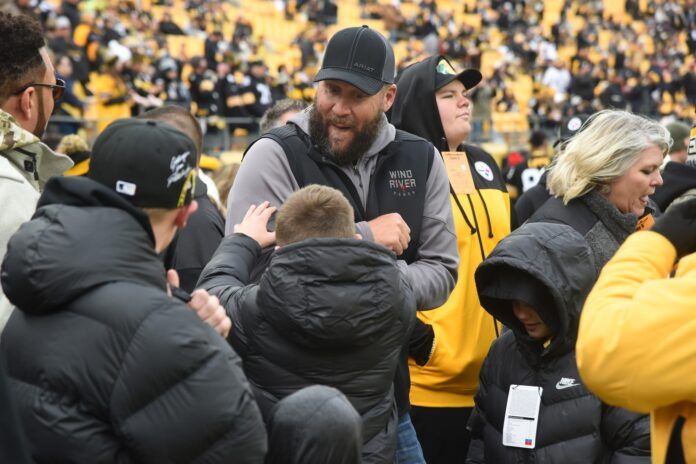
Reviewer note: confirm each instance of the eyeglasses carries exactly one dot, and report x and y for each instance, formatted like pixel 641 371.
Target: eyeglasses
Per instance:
pixel 58 89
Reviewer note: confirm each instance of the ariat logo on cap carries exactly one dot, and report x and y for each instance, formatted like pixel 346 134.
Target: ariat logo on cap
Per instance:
pixel 125 188
pixel 363 67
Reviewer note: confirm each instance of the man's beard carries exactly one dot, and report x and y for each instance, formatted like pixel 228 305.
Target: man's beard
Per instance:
pixel 358 146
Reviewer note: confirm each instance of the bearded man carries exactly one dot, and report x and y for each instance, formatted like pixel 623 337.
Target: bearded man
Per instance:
pixel 395 181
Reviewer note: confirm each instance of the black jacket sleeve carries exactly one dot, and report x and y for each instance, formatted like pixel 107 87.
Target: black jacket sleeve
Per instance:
pixel 181 394
pixel 227 275
pixel 476 424
pixel 627 434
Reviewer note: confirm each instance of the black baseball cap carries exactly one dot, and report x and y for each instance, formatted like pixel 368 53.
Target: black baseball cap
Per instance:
pixel 150 163
pixel 445 73
pixel 359 56
pixel 571 125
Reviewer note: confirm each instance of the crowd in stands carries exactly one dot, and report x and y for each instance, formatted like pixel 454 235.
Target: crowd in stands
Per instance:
pixel 230 61
pixel 363 287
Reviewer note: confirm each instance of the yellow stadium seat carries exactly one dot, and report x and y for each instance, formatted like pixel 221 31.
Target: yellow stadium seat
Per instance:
pixel 614 9
pixel 194 46
pixel 489 58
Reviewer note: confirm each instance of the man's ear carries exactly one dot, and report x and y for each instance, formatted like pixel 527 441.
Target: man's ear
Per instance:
pixel 185 213
pixel 389 97
pixel 26 103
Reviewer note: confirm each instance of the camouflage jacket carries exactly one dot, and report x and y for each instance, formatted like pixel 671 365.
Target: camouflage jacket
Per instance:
pixel 25 166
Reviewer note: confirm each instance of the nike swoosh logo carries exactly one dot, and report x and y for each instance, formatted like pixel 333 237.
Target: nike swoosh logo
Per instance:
pixel 562 387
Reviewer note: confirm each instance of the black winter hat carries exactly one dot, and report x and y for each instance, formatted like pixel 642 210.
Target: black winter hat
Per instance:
pixel 359 56
pixel 150 163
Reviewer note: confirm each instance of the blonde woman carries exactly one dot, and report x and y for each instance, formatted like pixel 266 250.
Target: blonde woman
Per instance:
pixel 603 178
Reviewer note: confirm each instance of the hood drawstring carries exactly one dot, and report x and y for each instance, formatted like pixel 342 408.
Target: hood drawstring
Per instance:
pixel 488 216
pixel 461 209
pixel 443 145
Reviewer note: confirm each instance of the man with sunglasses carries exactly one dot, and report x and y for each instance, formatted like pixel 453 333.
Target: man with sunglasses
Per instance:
pixel 28 91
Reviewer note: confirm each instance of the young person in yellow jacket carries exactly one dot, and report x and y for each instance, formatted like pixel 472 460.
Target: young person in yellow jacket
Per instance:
pixel 451 342
pixel 637 340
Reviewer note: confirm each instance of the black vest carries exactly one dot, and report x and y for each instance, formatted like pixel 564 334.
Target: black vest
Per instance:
pixel 397 185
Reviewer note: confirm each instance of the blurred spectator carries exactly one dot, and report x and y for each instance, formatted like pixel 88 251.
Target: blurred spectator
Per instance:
pixel 558 78
pixel 482 99
pixel 256 82
pixel 70 105
pixel 173 91
pixel 70 9
pixel 224 178
pixel 77 149
pixel 203 83
pixel 535 197
pixel 679 177
pixel 279 114
pixel 62 43
pixel 113 97
pixel 524 174
pixel 167 26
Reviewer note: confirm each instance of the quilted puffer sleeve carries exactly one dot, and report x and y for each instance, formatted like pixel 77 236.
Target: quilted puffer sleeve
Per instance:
pixel 181 395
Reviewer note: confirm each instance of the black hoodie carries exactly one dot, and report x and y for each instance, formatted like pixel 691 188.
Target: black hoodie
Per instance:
pixel 678 179
pixel 103 365
pixel 574 425
pixel 481 218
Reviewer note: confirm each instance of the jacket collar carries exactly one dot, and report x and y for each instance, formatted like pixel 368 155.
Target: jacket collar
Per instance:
pixel 621 225
pixel 32 160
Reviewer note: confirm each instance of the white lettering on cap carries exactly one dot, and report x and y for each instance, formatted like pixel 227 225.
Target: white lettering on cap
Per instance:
pixel 180 168
pixel 126 188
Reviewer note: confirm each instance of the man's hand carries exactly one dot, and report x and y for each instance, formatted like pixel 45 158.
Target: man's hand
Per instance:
pixel 255 224
pixel 210 311
pixel 207 307
pixel 391 231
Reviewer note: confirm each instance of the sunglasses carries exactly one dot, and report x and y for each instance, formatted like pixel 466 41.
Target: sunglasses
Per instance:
pixel 57 89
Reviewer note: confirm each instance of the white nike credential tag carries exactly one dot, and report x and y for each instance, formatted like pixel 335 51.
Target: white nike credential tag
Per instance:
pixel 522 416
pixel 125 188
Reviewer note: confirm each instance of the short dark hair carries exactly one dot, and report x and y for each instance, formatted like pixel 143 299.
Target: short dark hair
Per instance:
pixel 312 212
pixel 180 118
pixel 20 59
pixel 269 120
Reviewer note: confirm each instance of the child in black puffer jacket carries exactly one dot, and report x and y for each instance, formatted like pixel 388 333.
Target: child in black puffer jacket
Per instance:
pixel 535 282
